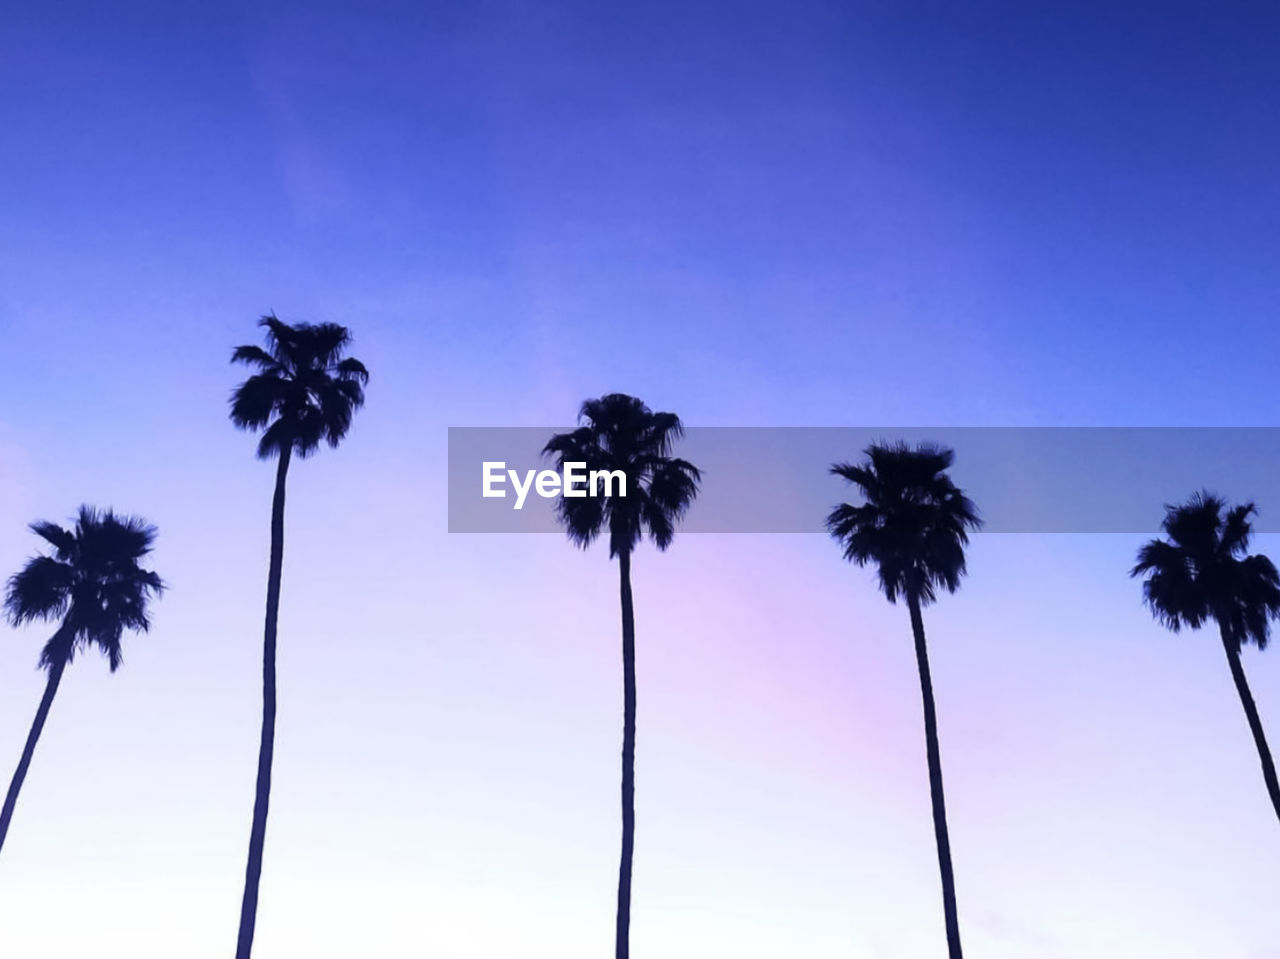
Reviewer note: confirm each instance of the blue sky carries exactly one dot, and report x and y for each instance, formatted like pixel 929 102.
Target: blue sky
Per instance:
pixel 823 200
pixel 753 214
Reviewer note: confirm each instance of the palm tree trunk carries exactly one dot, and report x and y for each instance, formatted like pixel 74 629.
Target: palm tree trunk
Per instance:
pixel 935 782
pixel 266 749
pixel 1255 722
pixel 622 942
pixel 33 737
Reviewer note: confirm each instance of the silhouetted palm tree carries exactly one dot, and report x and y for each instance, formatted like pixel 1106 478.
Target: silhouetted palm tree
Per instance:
pixel 1203 572
pixel 92 580
pixel 914 525
pixel 619 432
pixel 303 393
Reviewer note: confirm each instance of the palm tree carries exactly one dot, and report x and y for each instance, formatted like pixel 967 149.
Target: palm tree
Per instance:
pixel 618 432
pixel 1203 571
pixel 303 393
pixel 92 581
pixel 914 525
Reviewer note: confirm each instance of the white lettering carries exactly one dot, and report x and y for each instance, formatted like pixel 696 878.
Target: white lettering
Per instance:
pixel 493 474
pixel 521 491
pixel 608 476
pixel 548 484
pixel 574 480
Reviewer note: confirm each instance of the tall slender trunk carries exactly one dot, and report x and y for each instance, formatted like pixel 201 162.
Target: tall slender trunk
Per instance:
pixel 1255 722
pixel 33 737
pixel 266 750
pixel 935 782
pixel 622 942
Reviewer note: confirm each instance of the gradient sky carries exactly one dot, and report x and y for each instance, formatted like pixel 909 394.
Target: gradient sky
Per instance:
pixel 752 214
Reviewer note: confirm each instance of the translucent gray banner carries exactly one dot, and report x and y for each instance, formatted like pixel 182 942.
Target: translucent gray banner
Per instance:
pixel 1023 479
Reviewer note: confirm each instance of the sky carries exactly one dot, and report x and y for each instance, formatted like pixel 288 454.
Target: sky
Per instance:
pixel 753 214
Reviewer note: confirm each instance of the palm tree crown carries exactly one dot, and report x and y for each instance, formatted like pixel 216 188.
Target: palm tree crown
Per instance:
pixel 92 576
pixel 914 524
pixel 304 391
pixel 1203 571
pixel 619 432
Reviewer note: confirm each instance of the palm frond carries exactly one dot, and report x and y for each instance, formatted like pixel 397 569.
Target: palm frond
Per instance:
pixel 307 391
pixel 110 539
pixel 275 439
pixel 673 485
pixel 325 342
pixel 308 430
pixel 913 523
pixel 256 356
pixel 257 399
pixel 352 369
pixel 619 432
pixel 1202 571
pixel 99 590
pixel 282 340
pixel 62 540
pixel 1237 530
pixel 40 590
pixel 60 647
